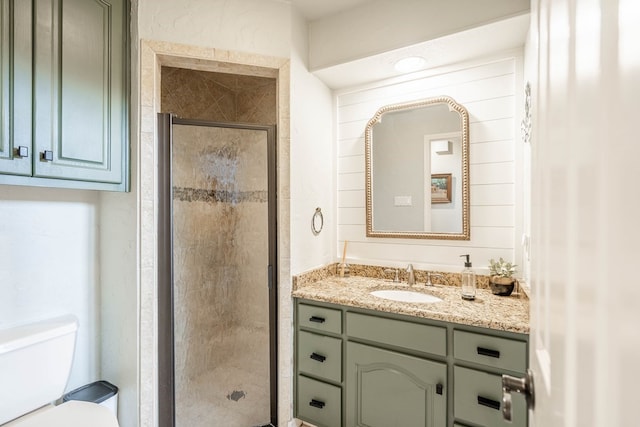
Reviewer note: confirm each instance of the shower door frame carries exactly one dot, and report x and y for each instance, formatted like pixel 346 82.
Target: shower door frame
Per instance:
pixel 166 356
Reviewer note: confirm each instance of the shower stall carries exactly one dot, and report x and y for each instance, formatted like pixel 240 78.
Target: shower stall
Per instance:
pixel 217 287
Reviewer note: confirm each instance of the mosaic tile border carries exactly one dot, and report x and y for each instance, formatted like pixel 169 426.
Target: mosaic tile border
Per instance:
pixel 184 194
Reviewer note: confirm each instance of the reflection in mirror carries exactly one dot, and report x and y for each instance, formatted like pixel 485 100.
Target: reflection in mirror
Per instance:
pixel 417 170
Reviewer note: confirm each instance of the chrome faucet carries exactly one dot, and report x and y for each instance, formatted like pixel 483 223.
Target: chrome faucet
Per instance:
pixel 430 275
pixel 411 278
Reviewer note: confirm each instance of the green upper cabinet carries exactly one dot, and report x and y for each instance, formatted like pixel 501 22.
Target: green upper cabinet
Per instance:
pixel 79 103
pixel 15 87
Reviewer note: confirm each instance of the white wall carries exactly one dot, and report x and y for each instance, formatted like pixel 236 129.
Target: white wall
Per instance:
pixel 488 91
pixel 255 26
pixel 49 249
pixel 312 160
pixel 119 295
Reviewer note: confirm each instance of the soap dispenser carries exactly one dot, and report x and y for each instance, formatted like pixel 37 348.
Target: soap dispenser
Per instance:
pixel 468 280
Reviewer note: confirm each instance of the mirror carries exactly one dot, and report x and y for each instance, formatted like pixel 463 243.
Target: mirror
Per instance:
pixel 417 171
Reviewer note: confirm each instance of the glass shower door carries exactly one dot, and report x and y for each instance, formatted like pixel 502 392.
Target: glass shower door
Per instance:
pixel 221 259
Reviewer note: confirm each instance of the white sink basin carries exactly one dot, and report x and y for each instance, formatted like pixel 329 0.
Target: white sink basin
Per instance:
pixel 405 296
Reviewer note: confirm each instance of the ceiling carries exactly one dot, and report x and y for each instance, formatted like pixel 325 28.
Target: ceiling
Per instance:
pixel 463 46
pixel 475 43
pixel 316 9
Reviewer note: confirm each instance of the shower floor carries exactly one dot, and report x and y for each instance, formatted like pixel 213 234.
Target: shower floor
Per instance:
pixel 235 391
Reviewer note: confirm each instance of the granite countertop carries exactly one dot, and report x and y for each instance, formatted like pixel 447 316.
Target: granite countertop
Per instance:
pixel 487 310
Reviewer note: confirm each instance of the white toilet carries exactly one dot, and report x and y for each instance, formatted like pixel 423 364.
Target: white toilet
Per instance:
pixel 35 361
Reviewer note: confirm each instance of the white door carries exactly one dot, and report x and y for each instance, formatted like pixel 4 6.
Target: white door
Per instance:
pixel 585 331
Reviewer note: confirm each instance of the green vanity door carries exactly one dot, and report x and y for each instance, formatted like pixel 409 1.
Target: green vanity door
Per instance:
pixel 390 389
pixel 15 87
pixel 79 90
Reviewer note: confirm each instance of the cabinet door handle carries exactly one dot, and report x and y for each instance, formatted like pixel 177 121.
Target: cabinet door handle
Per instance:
pixel 47 156
pixel 318 357
pixel 316 403
pixel 316 319
pixel 22 151
pixel 488 352
pixel 489 403
pixel 439 388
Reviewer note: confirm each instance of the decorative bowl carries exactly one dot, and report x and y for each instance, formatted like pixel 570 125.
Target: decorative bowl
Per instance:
pixel 502 286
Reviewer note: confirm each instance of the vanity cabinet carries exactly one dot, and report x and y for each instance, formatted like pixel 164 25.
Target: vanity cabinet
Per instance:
pixel 64 94
pixel 356 367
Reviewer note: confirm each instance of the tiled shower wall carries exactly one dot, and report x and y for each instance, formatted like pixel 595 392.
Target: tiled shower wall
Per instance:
pixel 205 95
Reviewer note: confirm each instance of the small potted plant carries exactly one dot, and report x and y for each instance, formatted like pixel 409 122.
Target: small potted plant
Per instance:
pixel 501 278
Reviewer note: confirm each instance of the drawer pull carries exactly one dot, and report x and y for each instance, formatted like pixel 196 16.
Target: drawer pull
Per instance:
pixel 318 357
pixel 316 403
pixel 439 388
pixel 488 352
pixel 316 319
pixel 489 403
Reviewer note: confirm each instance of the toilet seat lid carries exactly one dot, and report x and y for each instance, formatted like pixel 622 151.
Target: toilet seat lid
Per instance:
pixel 73 413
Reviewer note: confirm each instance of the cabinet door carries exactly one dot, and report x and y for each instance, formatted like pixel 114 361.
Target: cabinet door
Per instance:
pixel 389 389
pixel 79 99
pixel 15 87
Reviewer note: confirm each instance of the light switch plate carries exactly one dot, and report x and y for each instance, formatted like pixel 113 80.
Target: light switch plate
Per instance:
pixel 402 201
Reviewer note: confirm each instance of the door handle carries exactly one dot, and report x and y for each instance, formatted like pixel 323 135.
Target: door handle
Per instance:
pixel 517 385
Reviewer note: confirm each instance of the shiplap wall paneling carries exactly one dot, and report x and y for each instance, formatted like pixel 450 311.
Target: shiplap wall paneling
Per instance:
pixel 488 93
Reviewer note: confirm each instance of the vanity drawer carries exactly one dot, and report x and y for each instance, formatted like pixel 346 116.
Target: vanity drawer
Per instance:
pixel 413 336
pixel 320 356
pixel 319 403
pixel 320 318
pixel 477 398
pixel 502 353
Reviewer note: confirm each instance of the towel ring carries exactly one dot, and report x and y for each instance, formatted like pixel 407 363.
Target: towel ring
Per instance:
pixel 317 222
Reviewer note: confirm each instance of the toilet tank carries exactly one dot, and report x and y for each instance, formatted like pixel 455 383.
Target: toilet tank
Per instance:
pixel 35 361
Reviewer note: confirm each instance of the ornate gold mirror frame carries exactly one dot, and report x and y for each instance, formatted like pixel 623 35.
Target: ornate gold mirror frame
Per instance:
pixel 463 233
